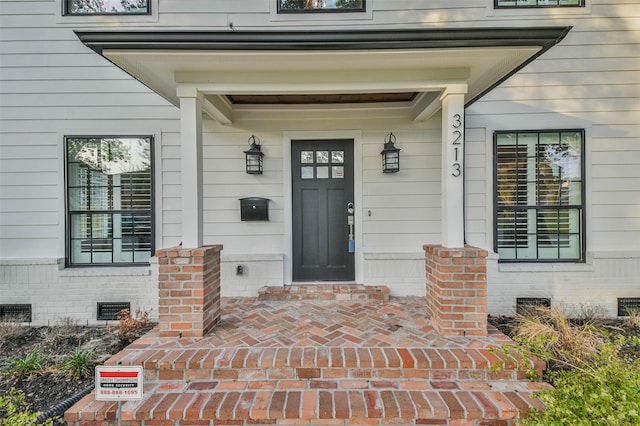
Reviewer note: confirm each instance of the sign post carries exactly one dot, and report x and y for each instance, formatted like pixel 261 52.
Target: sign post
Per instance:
pixel 118 383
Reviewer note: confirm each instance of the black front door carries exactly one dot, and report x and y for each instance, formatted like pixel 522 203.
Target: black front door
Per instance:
pixel 323 239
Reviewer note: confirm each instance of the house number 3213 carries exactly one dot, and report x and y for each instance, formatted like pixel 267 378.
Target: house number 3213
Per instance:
pixel 457 144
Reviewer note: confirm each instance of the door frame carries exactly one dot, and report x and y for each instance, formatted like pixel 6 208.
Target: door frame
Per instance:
pixel 288 136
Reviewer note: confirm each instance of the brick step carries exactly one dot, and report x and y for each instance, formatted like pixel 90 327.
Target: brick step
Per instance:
pixel 329 363
pixel 211 403
pixel 327 292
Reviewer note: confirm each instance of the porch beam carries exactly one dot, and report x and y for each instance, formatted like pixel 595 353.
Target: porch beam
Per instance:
pixel 453 166
pixel 218 109
pixel 279 70
pixel 191 170
pixel 426 105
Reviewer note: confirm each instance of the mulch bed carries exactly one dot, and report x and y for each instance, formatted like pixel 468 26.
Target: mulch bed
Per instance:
pixel 44 391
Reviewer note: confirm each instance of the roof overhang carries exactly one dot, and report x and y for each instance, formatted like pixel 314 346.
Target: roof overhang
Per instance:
pixel 239 71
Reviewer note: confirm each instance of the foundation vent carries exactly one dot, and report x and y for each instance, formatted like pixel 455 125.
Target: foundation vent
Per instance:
pixel 15 313
pixel 626 305
pixel 108 311
pixel 523 304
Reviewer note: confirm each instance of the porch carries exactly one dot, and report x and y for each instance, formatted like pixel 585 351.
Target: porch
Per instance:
pixel 353 359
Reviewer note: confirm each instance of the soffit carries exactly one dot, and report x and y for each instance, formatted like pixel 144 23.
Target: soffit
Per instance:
pixel 408 68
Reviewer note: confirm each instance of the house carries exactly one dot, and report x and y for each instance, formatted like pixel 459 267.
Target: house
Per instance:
pixel 318 141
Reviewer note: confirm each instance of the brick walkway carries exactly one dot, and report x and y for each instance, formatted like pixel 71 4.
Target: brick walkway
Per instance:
pixel 318 362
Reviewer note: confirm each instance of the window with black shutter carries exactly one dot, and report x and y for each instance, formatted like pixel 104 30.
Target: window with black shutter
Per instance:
pixel 539 192
pixel 109 200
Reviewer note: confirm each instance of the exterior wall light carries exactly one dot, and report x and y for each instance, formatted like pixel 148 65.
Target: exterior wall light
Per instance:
pixel 254 157
pixel 390 155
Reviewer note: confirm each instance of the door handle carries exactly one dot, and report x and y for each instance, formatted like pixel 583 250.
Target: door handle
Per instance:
pixel 350 222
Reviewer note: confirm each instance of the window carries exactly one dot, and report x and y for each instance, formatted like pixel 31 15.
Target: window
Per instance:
pixel 294 6
pixel 539 195
pixel 109 200
pixel 106 7
pixel 538 3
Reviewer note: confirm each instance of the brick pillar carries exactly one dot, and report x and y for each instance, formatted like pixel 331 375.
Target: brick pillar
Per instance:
pixel 189 290
pixel 457 290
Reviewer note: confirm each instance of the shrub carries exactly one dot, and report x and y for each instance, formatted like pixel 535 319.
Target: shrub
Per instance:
pixel 595 382
pixel 130 326
pixel 15 411
pixel 65 332
pixel 608 394
pixel 78 365
pixel 633 319
pixel 10 327
pixel 550 334
pixel 31 364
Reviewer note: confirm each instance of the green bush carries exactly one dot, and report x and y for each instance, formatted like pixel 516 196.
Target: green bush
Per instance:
pixel 31 364
pixel 606 395
pixel 596 381
pixel 78 365
pixel 15 412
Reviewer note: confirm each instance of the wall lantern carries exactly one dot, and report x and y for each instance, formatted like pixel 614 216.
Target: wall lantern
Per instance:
pixel 390 155
pixel 254 157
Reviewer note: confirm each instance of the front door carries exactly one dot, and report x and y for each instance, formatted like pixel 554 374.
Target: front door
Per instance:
pixel 323 230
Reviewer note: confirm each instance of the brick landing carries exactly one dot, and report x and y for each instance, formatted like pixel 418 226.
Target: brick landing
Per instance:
pixel 313 362
pixel 340 292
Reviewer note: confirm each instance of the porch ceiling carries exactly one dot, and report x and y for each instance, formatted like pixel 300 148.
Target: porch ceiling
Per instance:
pixel 240 71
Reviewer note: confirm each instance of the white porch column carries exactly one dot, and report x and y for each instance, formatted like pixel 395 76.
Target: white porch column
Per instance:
pixel 453 166
pixel 191 170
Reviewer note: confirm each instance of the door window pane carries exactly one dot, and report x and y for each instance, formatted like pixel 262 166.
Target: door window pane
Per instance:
pixel 337 157
pixel 306 172
pixel 337 172
pixel 322 157
pixel 306 157
pixel 322 172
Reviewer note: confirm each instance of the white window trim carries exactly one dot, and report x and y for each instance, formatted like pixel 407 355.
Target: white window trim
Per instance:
pixel 156 134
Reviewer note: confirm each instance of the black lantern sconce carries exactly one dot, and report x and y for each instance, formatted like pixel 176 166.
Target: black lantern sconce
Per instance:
pixel 390 155
pixel 254 157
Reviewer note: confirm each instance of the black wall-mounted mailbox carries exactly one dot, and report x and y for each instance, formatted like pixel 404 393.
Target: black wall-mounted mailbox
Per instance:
pixel 254 208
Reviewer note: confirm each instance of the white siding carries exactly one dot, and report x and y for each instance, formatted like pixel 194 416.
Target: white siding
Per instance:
pixel 51 86
pixel 590 81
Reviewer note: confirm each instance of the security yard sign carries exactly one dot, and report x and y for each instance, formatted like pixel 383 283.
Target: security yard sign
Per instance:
pixel 118 383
